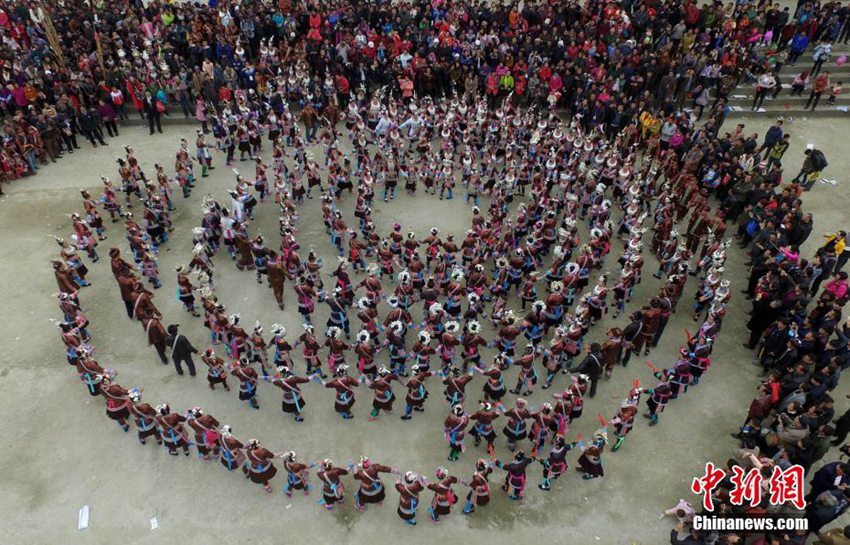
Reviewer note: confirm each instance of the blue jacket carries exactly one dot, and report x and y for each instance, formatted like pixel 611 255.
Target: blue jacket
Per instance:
pixel 774 135
pixel 824 478
pixel 800 42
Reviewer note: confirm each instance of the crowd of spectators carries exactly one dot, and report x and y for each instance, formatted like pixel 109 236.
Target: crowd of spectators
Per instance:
pixel 614 63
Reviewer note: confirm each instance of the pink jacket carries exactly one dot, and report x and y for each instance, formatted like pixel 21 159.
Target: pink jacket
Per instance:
pixel 837 287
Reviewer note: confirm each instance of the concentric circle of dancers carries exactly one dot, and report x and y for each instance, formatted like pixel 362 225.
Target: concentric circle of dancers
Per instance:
pixel 524 274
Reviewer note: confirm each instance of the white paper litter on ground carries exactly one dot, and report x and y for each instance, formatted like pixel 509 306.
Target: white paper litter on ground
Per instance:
pixel 740 96
pixel 844 109
pixel 154 524
pixel 83 518
pixel 830 182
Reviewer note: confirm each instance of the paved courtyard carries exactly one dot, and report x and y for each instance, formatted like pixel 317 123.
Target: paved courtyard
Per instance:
pixel 60 452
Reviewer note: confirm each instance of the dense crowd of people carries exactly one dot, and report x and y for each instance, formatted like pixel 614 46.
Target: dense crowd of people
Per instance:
pixel 433 97
pixel 800 340
pixel 612 63
pixel 534 259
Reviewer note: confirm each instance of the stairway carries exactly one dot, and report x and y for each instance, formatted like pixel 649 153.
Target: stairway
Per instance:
pixel 784 105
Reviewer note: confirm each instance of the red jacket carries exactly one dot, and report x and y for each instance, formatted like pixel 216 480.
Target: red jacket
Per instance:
pixel 692 14
pixel 342 84
pixel 493 83
pixel 137 101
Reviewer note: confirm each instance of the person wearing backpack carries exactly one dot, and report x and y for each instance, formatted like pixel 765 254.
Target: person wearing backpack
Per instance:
pixel 818 165
pixel 819 160
pixel 808 165
pixel 813 164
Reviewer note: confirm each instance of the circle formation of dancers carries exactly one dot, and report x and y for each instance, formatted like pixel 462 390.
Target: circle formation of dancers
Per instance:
pixel 522 271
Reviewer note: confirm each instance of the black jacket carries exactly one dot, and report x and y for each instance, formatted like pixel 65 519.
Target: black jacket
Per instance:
pixel 631 332
pixel 181 349
pixel 800 233
pixel 88 121
pixel 150 107
pixel 591 365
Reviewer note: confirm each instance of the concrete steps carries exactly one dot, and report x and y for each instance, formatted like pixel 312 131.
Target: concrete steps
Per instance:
pixel 835 72
pixel 778 111
pixel 795 102
pixel 786 106
pixel 741 99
